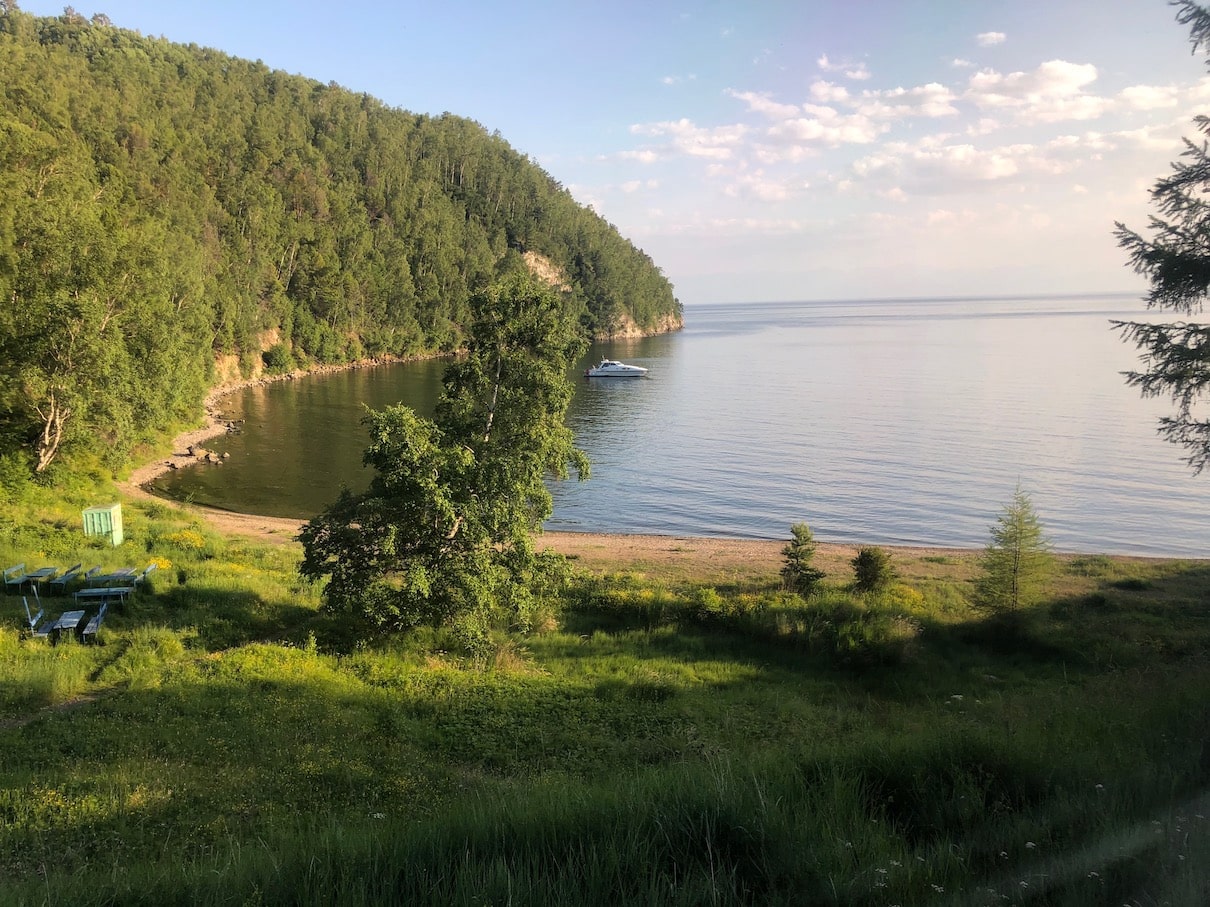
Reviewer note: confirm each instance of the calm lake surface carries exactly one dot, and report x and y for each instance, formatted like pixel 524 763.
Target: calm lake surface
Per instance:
pixel 881 422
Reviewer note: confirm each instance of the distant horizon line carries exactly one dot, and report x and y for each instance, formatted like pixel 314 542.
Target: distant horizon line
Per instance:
pixel 956 297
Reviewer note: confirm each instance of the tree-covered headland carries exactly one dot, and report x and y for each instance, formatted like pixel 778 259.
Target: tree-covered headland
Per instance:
pixel 172 217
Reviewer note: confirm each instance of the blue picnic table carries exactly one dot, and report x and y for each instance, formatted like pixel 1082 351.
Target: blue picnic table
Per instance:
pixel 41 575
pixel 68 621
pixel 121 575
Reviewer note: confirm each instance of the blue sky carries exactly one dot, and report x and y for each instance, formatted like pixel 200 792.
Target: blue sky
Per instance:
pixel 770 150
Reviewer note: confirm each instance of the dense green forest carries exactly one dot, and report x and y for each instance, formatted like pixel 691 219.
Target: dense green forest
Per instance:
pixel 171 217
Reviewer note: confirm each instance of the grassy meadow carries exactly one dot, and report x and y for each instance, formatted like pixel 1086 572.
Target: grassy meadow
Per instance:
pixel 670 740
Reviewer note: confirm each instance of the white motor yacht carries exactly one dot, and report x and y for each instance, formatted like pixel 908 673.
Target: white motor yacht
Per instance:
pixel 611 368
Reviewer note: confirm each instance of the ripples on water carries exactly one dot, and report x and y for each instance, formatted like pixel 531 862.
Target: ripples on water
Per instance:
pixel 900 422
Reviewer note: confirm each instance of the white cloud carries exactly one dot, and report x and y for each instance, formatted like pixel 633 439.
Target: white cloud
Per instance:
pixel 770 154
pixel 1145 137
pixel 761 103
pixel 966 162
pixel 984 126
pixel 643 156
pixel 931 100
pixel 1085 107
pixel 1149 97
pixel 989 88
pixel 1051 93
pixel 936 140
pixel 959 63
pixel 1200 91
pixel 990 38
pixel 827 127
pixel 632 186
pixel 1065 141
pixel 685 138
pixel 763 188
pixel 1061 77
pixel 931 168
pixel 856 71
pixel 873 165
pixel 601 198
pixel 828 92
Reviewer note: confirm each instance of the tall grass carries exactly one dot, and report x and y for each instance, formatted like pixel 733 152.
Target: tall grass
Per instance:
pixel 660 744
pixel 778 831
pixel 34 676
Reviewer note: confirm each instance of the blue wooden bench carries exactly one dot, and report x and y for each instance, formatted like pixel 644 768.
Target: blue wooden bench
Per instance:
pixel 14 576
pixel 60 583
pixel 46 628
pixel 93 625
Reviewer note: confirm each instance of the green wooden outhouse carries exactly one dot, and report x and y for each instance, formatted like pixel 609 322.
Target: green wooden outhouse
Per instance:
pixel 105 520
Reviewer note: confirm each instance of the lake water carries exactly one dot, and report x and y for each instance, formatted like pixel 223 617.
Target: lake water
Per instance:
pixel 880 422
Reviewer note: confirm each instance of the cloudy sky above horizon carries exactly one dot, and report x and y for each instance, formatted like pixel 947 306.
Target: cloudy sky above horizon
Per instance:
pixel 786 149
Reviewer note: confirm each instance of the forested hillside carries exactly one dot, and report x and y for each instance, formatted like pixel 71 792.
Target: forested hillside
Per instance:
pixel 166 207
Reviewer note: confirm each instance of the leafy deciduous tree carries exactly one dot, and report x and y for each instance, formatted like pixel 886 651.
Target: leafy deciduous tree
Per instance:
pixel 443 534
pixel 60 291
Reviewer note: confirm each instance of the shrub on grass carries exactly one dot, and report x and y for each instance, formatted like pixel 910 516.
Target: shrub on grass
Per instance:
pixel 839 627
pixel 869 637
pixel 185 540
pixel 710 605
pixel 873 570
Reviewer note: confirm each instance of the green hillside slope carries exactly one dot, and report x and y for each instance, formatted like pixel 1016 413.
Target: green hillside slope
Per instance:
pixel 166 207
